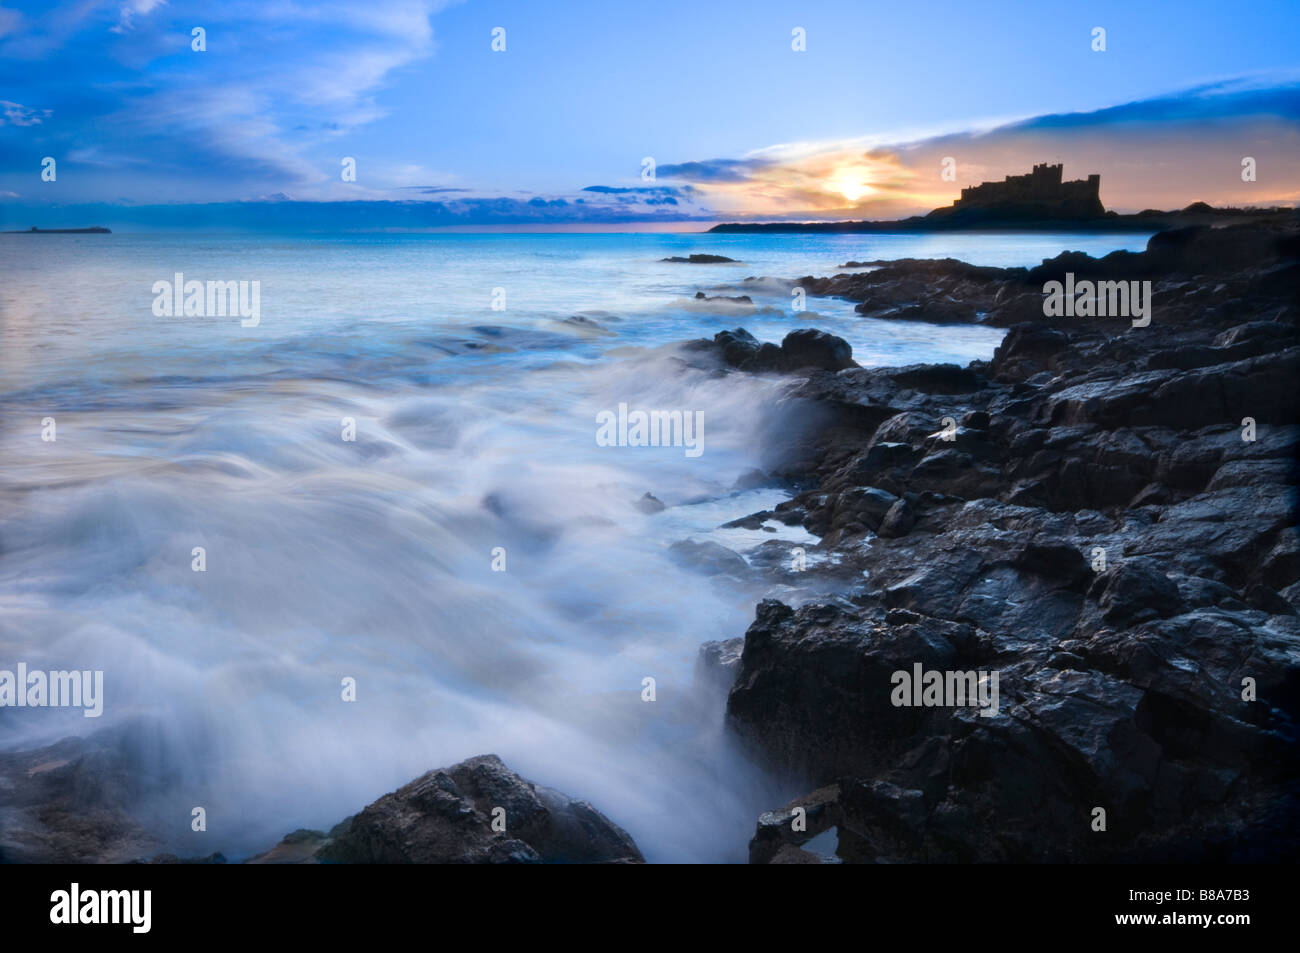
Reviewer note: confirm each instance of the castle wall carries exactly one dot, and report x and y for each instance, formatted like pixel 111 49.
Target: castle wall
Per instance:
pixel 1041 190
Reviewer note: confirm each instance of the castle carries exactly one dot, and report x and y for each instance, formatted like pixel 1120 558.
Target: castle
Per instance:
pixel 1040 194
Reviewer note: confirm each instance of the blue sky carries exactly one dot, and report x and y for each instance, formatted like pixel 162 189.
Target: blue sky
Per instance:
pixel 739 124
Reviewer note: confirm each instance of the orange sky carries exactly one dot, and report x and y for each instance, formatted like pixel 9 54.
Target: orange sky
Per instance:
pixel 1157 166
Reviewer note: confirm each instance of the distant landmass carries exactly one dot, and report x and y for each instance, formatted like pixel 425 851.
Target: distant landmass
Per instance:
pixel 93 230
pixel 1038 200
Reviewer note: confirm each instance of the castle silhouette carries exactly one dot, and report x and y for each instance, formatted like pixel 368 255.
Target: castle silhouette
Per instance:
pixel 1039 194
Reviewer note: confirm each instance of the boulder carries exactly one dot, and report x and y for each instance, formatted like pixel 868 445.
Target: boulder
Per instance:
pixel 447 817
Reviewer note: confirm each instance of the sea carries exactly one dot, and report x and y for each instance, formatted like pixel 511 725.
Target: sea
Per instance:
pixel 373 532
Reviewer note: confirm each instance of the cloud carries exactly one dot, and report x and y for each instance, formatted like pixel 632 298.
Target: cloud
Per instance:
pixel 287 87
pixel 129 11
pixel 281 212
pixel 714 170
pixel 651 190
pixel 1233 99
pixel 16 114
pixel 280 80
pixel 1164 151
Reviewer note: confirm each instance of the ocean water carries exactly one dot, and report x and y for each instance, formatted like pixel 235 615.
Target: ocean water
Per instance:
pixel 372 559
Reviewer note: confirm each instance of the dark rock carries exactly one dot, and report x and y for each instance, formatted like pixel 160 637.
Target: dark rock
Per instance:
pixel 802 350
pixel 809 347
pixel 1095 530
pixel 866 506
pixel 752 521
pixel 73 801
pixel 446 817
pixel 738 347
pixel 898 521
pixel 936 378
pixel 734 299
pixel 1137 591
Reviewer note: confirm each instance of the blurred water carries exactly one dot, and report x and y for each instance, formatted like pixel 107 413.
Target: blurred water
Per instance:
pixel 372 559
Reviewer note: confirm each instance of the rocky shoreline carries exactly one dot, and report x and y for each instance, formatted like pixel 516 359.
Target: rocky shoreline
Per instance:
pixel 72 802
pixel 1103 514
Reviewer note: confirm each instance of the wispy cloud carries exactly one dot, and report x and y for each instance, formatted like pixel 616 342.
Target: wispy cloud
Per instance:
pixel 16 114
pixel 277 82
pixel 1163 151
pixel 129 11
pixel 286 88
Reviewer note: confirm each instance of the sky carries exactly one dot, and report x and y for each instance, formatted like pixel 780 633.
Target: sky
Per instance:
pixel 563 122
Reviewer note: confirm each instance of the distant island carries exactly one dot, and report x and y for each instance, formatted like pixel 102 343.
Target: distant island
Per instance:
pixel 93 230
pixel 1038 200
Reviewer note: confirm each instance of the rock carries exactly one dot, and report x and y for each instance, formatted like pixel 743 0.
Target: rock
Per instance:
pixel 753 479
pixel 1096 531
pixel 752 521
pixel 864 506
pixel 738 347
pixel 71 802
pixel 587 325
pixel 936 378
pixel 698 259
pixel 1137 591
pixel 717 663
pixel 650 503
pixel 299 847
pixel 1056 561
pixel 898 520
pixel 446 817
pixel 802 350
pixel 809 347
pixel 217 858
pixel 776 834
pixel 724 299
pixel 708 557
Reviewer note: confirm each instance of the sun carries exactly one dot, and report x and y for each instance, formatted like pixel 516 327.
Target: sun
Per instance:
pixel 850 184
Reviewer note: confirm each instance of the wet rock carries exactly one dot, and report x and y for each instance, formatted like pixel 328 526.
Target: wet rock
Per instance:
pixel 717 663
pixel 898 521
pixel 649 503
pixel 725 299
pixel 587 325
pixel 804 350
pixel 1137 591
pixel 708 557
pixel 808 347
pixel 72 802
pixel 861 506
pixel 1096 530
pixel 446 817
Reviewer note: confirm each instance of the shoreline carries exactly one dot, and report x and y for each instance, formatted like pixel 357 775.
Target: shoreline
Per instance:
pixel 971 220
pixel 1050 428
pixel 1096 523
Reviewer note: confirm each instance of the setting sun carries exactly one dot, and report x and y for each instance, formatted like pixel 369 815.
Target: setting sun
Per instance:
pixel 849 183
